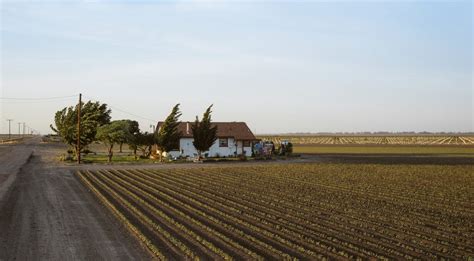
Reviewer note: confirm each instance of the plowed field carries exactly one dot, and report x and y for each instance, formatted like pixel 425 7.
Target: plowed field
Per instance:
pixel 287 211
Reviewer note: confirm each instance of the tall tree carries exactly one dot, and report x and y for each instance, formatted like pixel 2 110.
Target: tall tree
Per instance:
pixel 112 133
pixel 203 133
pixel 93 115
pixel 167 137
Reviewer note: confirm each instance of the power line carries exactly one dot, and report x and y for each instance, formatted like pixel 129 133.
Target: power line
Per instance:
pixel 37 98
pixel 124 111
pixel 34 101
pixel 132 114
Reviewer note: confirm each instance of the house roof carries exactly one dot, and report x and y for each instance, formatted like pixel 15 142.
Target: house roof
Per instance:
pixel 236 130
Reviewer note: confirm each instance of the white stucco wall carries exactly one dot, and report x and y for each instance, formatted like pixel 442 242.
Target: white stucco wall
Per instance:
pixel 187 149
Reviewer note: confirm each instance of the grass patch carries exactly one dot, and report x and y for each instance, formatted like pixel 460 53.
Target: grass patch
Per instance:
pixel 99 158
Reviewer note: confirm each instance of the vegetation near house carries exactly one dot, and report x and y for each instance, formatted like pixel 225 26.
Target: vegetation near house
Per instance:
pixel 142 142
pixel 203 133
pixel 167 137
pixel 93 115
pixel 115 132
pixel 133 128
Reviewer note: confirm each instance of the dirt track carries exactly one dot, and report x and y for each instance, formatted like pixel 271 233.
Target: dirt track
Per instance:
pixel 46 214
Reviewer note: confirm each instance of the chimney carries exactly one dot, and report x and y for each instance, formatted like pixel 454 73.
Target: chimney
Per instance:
pixel 187 127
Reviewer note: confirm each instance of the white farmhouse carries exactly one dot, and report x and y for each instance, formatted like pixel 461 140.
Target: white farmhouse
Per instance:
pixel 233 138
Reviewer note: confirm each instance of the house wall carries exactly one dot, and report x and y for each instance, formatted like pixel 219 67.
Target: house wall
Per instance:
pixel 187 149
pixel 186 146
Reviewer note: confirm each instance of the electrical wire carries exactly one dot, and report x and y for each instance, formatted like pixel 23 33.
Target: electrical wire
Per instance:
pixel 17 100
pixel 123 111
pixel 37 98
pixel 35 101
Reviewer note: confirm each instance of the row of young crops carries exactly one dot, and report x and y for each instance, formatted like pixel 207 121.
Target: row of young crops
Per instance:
pixel 294 211
pixel 375 140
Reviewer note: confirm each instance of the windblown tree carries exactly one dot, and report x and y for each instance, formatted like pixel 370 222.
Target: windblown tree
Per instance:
pixel 133 128
pixel 93 115
pixel 113 133
pixel 203 133
pixel 167 137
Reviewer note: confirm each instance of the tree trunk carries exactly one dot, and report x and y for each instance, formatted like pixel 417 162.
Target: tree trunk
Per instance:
pixel 76 150
pixel 147 151
pixel 135 153
pixel 111 153
pixel 121 143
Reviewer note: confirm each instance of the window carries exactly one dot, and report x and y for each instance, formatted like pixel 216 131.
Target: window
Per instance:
pixel 246 143
pixel 223 143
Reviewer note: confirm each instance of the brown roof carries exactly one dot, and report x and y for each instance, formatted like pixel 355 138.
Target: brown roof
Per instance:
pixel 236 130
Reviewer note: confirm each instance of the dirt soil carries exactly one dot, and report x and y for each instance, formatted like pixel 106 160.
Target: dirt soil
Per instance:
pixel 46 214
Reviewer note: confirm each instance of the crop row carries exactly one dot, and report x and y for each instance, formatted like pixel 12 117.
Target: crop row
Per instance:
pixel 389 140
pixel 293 211
pixel 364 224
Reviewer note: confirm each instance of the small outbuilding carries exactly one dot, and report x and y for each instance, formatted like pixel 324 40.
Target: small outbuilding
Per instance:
pixel 233 138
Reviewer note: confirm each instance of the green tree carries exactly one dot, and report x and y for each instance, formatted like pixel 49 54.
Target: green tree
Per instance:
pixel 167 137
pixel 133 128
pixel 93 115
pixel 203 133
pixel 112 133
pixel 143 142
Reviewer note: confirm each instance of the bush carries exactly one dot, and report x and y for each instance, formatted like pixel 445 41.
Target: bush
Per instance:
pixel 289 148
pixel 242 157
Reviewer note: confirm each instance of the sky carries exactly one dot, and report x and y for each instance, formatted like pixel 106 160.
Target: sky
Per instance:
pixel 280 66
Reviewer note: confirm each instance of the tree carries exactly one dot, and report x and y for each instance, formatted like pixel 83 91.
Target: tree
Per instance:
pixel 133 128
pixel 93 115
pixel 142 142
pixel 112 133
pixel 167 138
pixel 203 133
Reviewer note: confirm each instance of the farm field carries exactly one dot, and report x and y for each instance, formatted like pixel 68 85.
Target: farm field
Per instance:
pixel 384 149
pixel 373 140
pixel 286 211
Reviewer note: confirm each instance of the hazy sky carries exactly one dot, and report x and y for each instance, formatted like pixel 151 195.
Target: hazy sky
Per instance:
pixel 279 66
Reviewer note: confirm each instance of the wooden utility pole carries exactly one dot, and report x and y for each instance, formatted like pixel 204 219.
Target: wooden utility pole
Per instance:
pixel 9 131
pixel 79 130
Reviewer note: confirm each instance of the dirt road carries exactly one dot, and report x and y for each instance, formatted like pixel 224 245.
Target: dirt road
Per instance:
pixel 46 214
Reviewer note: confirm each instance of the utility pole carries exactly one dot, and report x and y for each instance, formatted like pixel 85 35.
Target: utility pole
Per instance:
pixel 19 133
pixel 79 130
pixel 9 131
pixel 24 128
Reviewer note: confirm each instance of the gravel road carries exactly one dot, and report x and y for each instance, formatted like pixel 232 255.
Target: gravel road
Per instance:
pixel 47 214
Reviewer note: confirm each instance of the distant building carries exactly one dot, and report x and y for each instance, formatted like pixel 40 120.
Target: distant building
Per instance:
pixel 233 138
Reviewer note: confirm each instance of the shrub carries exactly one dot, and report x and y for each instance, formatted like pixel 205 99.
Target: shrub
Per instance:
pixel 242 157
